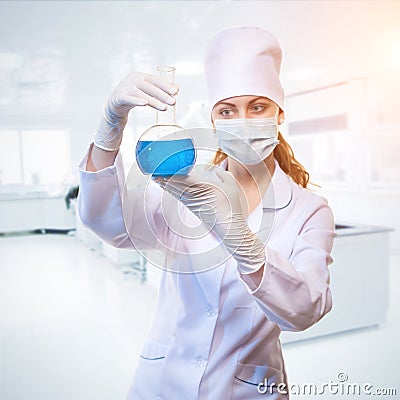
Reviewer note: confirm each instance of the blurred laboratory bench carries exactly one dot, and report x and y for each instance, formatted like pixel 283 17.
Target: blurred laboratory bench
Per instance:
pixel 35 208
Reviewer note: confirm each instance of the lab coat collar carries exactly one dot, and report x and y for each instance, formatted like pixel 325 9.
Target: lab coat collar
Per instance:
pixel 279 193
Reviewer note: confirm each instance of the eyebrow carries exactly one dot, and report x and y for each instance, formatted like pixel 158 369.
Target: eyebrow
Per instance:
pixel 261 98
pixel 226 104
pixel 251 101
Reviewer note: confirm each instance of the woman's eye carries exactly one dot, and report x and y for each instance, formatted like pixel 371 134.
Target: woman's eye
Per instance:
pixel 259 108
pixel 226 112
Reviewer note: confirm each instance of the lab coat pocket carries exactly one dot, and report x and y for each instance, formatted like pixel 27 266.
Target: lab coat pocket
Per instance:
pixel 146 382
pixel 246 305
pixel 258 382
pixel 244 319
pixel 245 301
pixel 153 350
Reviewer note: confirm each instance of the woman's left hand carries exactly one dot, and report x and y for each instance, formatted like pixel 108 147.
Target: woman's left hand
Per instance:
pixel 218 200
pixel 214 196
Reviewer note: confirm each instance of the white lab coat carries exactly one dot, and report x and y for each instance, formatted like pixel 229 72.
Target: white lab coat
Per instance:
pixel 213 337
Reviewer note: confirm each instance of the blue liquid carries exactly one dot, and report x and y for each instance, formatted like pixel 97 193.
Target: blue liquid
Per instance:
pixel 166 157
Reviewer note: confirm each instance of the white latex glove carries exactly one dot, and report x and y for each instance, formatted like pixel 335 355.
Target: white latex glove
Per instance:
pixel 136 89
pixel 215 197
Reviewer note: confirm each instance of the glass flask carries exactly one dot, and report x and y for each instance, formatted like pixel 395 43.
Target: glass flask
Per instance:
pixel 165 148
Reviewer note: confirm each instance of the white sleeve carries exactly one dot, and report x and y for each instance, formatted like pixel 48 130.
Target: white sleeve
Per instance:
pixel 124 219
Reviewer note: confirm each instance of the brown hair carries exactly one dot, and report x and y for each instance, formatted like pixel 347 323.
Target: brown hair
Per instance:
pixel 285 157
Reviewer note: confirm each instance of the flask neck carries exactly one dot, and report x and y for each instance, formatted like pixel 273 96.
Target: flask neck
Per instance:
pixel 166 117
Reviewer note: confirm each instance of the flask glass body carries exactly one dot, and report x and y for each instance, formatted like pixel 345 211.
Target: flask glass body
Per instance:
pixel 165 148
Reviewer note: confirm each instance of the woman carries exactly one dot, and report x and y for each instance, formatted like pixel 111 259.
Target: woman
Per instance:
pixel 216 333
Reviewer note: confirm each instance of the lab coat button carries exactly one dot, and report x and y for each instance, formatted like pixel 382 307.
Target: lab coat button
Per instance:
pixel 211 312
pixel 200 362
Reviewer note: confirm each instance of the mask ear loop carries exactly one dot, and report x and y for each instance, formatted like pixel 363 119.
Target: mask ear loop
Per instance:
pixel 277 125
pixel 277 115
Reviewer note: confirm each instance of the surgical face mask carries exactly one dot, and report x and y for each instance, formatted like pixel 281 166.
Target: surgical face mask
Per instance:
pixel 248 140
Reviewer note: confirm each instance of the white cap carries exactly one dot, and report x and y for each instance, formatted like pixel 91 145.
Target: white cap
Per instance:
pixel 243 61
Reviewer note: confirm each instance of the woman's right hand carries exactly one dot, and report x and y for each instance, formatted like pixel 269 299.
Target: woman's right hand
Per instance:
pixel 136 89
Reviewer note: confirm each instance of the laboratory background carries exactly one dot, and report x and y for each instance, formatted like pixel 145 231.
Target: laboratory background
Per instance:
pixel 74 312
